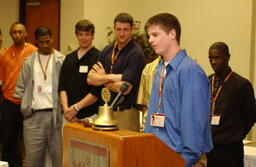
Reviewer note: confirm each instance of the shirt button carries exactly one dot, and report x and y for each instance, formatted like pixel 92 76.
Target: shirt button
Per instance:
pixel 157 129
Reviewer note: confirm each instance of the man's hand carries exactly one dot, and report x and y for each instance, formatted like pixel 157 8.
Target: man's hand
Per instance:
pixel 70 114
pixel 115 86
pixel 98 68
pixel 97 76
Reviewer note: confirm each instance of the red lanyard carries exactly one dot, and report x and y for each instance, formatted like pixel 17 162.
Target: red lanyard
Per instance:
pixel 214 97
pixel 114 56
pixel 161 85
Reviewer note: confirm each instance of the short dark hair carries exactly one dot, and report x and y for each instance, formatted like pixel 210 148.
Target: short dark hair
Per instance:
pixel 124 18
pixel 16 23
pixel 85 25
pixel 167 21
pixel 42 31
pixel 221 46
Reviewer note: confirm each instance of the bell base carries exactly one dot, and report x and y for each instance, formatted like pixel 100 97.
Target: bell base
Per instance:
pixel 104 128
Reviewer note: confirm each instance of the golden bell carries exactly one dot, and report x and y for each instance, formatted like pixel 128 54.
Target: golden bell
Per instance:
pixel 105 119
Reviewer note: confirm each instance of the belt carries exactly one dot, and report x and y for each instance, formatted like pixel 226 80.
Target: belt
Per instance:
pixel 122 108
pixel 42 110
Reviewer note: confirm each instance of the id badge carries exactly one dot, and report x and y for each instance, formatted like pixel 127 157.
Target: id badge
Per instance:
pixel 83 69
pixel 157 120
pixel 215 120
pixel 41 89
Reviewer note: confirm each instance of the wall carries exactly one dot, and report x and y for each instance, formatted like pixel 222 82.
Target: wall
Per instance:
pixel 100 12
pixel 71 12
pixel 252 135
pixel 9 13
pixel 204 22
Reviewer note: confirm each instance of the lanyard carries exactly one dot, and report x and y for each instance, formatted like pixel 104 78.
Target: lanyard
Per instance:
pixel 161 83
pixel 214 97
pixel 160 88
pixel 114 56
pixel 44 70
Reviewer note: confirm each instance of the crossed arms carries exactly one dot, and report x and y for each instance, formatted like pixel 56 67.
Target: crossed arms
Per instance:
pixel 97 77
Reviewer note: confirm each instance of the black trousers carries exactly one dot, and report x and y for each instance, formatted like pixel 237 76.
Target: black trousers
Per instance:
pixel 225 156
pixel 11 122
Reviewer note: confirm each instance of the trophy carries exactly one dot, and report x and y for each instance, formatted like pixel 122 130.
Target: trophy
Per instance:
pixel 105 119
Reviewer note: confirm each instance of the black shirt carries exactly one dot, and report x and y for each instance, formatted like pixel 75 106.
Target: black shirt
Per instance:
pixel 129 62
pixel 236 107
pixel 75 83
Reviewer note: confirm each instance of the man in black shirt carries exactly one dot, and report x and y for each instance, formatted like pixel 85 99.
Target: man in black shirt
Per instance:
pixel 121 62
pixel 77 97
pixel 232 108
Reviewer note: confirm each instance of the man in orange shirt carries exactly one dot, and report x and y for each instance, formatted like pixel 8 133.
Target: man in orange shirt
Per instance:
pixel 11 60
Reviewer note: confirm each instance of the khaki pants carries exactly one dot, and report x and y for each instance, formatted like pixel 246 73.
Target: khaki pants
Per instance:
pixel 128 119
pixel 202 161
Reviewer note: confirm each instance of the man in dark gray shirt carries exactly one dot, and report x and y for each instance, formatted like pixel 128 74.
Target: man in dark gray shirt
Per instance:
pixel 121 62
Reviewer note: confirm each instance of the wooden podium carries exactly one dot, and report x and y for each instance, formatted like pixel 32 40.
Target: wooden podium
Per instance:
pixel 85 147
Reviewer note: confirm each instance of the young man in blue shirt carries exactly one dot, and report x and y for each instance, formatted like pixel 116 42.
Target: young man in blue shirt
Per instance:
pixel 179 109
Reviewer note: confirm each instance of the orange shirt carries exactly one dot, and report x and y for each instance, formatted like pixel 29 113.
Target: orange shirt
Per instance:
pixel 11 61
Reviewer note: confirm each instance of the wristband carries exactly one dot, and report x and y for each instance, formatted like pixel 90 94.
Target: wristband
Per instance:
pixel 76 108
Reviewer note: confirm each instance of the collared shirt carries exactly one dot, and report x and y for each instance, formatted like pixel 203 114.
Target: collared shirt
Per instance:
pixel 236 107
pixel 129 62
pixel 11 61
pixel 73 78
pixel 186 105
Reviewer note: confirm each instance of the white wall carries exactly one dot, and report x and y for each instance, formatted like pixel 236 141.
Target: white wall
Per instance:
pixel 102 13
pixel 9 13
pixel 252 135
pixel 71 12
pixel 204 22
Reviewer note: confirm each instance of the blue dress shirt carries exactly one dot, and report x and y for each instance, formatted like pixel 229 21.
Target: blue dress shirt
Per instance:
pixel 186 106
